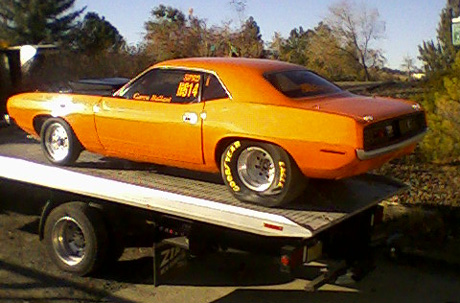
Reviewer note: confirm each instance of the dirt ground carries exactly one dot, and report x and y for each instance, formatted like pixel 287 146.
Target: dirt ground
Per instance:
pixel 27 274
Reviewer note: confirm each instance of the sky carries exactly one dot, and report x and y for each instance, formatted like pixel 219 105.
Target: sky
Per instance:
pixel 407 22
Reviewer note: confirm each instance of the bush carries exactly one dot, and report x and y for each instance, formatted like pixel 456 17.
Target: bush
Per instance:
pixel 442 102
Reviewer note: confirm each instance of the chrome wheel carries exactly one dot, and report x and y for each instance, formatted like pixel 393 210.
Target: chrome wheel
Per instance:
pixel 68 241
pixel 256 168
pixel 57 141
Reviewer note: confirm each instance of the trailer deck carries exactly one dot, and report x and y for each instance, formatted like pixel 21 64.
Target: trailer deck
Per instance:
pixel 192 195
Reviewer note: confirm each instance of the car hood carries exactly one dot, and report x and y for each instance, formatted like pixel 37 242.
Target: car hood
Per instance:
pixel 359 107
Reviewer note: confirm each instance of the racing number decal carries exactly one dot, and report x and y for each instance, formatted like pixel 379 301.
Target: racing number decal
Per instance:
pixel 187 89
pixel 189 86
pixel 227 171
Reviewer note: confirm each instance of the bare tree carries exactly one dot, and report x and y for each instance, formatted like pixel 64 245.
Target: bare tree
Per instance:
pixel 408 65
pixel 240 7
pixel 357 27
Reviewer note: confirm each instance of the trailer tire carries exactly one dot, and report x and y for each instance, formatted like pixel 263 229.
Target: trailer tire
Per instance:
pixel 76 238
pixel 59 143
pixel 261 173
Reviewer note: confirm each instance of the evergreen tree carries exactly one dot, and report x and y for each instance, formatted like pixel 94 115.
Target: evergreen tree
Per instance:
pixel 294 48
pixel 439 56
pixel 442 100
pixel 249 41
pixel 95 34
pixel 36 21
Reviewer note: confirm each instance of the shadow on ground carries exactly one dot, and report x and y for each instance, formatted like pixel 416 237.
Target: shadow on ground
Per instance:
pixel 41 280
pixel 15 135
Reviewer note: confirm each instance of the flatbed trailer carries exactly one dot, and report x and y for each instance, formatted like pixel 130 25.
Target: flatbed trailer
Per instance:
pixel 176 201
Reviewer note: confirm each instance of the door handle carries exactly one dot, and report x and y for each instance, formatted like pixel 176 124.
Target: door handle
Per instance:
pixel 191 118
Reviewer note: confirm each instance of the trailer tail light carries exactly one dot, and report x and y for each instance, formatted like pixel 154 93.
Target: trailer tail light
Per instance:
pixel 291 256
pixel 285 260
pixel 273 226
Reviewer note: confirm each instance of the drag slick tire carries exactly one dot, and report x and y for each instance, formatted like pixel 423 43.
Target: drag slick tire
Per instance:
pixel 261 173
pixel 59 143
pixel 76 238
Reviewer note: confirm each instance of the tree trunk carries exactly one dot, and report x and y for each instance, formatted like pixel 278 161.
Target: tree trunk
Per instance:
pixel 366 73
pixel 366 70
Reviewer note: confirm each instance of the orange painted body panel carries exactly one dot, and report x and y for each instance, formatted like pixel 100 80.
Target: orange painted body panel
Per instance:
pixel 299 132
pixel 152 131
pixel 321 134
pixel 77 110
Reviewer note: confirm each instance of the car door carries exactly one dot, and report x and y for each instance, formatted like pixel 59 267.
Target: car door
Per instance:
pixel 156 117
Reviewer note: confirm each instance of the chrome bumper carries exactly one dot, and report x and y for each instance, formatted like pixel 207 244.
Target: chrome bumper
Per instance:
pixel 366 155
pixel 7 119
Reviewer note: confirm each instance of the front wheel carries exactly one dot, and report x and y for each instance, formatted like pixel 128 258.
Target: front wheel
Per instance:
pixel 261 173
pixel 59 143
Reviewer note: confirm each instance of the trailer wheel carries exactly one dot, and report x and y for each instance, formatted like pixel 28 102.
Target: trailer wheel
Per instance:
pixel 76 238
pixel 261 173
pixel 59 143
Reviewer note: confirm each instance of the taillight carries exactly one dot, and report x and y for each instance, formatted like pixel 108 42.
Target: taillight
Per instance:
pixel 384 133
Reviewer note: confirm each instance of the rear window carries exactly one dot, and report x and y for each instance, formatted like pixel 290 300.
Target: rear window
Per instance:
pixel 212 89
pixel 301 83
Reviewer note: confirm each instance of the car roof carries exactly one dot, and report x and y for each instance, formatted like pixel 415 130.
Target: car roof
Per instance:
pixel 219 63
pixel 243 77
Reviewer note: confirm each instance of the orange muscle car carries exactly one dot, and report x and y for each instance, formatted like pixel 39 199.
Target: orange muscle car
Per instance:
pixel 265 125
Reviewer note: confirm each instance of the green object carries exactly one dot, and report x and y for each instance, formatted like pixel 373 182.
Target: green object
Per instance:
pixel 456 32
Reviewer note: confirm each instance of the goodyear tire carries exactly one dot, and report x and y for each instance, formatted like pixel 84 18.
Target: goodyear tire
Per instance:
pixel 59 143
pixel 76 238
pixel 261 173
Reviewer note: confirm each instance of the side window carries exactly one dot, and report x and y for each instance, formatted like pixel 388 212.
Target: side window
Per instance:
pixel 164 85
pixel 142 88
pixel 212 88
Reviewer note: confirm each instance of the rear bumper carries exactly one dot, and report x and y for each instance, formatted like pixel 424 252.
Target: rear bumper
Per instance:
pixel 366 155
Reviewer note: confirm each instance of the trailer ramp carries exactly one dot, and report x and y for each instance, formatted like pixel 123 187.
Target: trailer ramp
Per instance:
pixel 192 195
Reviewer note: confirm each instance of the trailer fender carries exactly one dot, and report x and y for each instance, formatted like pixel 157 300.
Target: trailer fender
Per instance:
pixel 44 215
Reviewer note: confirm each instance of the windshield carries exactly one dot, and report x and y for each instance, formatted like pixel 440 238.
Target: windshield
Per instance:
pixel 301 83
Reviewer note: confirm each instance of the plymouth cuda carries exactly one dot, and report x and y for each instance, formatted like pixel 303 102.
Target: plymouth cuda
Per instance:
pixel 265 125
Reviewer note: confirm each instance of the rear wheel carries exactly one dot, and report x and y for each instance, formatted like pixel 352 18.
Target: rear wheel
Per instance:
pixel 59 143
pixel 261 173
